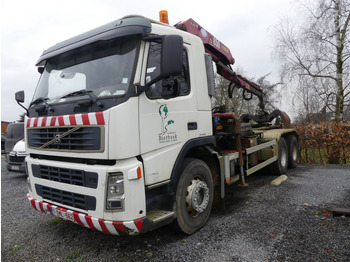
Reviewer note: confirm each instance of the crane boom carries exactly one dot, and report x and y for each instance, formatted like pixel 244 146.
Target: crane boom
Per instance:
pixel 222 57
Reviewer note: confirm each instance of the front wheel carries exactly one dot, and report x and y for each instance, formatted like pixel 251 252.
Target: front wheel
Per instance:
pixel 194 196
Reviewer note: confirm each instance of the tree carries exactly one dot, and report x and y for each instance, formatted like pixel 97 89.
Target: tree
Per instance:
pixel 315 53
pixel 22 117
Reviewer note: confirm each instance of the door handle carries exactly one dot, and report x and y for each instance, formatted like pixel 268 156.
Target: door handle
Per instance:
pixel 192 126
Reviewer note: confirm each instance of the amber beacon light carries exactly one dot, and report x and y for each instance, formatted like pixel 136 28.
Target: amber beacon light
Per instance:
pixel 163 16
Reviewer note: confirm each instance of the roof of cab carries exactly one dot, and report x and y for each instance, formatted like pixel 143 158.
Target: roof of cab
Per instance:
pixel 124 26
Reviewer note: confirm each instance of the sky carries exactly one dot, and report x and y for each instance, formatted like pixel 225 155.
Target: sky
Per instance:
pixel 30 27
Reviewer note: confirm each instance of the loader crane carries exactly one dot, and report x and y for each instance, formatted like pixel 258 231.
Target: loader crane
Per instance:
pixel 223 59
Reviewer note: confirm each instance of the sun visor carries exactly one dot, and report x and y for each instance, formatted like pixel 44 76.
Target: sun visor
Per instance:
pixel 123 27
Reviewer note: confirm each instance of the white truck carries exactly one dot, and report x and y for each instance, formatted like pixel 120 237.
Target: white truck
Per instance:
pixel 121 135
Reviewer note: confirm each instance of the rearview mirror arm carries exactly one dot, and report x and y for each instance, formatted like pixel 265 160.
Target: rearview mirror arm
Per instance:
pixel 23 108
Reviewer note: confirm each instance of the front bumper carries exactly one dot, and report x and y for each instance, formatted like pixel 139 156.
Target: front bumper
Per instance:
pixel 82 187
pixel 16 162
pixel 14 167
pixel 133 227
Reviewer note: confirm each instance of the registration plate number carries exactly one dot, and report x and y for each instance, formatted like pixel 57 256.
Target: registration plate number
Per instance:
pixel 15 168
pixel 63 214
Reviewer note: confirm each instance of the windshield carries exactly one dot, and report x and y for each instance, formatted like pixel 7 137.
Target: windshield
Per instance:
pixel 104 68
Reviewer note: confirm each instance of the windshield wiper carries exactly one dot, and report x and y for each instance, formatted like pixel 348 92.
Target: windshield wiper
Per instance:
pixel 84 92
pixel 41 99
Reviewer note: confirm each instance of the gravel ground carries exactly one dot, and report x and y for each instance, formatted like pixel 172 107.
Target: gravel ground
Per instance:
pixel 290 222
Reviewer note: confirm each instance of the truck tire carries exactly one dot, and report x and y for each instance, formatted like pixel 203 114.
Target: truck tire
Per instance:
pixel 194 196
pixel 293 151
pixel 280 166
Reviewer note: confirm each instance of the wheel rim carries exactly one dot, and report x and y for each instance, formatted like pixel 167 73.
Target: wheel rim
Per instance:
pixel 197 197
pixel 283 158
pixel 295 153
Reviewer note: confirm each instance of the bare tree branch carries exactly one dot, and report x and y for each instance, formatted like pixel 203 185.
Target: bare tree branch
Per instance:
pixel 317 52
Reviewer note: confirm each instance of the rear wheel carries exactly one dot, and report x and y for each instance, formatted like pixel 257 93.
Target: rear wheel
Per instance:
pixel 293 151
pixel 194 196
pixel 280 166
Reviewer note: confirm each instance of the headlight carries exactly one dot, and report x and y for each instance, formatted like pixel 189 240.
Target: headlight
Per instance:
pixel 115 191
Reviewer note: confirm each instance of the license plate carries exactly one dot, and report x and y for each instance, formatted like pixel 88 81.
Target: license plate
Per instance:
pixel 63 214
pixel 15 168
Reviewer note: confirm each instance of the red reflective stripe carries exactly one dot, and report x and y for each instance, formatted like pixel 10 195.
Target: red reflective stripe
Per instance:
pixel 77 218
pixel 99 118
pixel 85 118
pixel 49 206
pixel 60 121
pixel 139 224
pixel 72 120
pixel 119 226
pixel 43 123
pixel 53 121
pixel 36 122
pixel 41 206
pixel 89 221
pixel 33 203
pixel 103 226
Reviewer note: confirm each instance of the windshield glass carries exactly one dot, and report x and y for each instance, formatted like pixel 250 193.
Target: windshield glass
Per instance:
pixel 105 68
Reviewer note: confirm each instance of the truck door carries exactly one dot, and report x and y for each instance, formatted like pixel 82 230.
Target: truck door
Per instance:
pixel 165 112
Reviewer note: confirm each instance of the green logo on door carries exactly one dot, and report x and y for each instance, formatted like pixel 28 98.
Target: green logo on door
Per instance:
pixel 166 136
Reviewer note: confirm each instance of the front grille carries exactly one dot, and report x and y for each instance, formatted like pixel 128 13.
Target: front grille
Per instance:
pixel 66 138
pixel 16 159
pixel 66 175
pixel 66 198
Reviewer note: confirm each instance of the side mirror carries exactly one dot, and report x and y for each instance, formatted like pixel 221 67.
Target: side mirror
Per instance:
pixel 171 57
pixel 41 69
pixel 19 96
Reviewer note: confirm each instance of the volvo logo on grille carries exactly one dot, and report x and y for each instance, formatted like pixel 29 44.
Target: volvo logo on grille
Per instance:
pixel 57 138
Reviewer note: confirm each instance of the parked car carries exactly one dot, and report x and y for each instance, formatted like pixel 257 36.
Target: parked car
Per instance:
pixel 14 133
pixel 16 158
pixel 3 138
